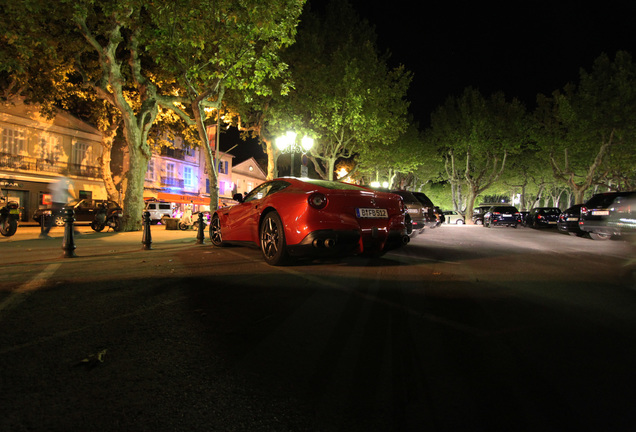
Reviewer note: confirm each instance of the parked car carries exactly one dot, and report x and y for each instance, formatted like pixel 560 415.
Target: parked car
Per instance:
pixel 417 212
pixel 84 211
pixel 502 215
pixel 608 214
pixel 569 221
pixel 478 214
pixel 452 217
pixel 158 210
pixel 543 217
pixel 290 218
pixel 432 216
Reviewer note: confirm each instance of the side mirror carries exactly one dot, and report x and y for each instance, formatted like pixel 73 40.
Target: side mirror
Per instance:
pixel 238 197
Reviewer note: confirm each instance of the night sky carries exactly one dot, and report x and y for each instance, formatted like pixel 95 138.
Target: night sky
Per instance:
pixel 522 48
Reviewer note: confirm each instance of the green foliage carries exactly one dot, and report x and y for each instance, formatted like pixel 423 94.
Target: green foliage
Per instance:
pixel 344 92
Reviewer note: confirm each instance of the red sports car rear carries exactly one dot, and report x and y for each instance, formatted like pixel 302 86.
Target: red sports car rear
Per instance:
pixel 288 217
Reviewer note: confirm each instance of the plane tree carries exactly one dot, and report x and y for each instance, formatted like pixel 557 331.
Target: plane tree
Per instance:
pixel 475 137
pixel 234 48
pixel 116 50
pixel 344 91
pixel 588 129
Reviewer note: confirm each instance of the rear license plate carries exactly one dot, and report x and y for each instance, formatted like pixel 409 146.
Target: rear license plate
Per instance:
pixel 372 213
pixel 572 219
pixel 600 212
pixel 550 223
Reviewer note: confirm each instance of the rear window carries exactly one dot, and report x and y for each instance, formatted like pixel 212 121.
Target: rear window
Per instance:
pixel 424 199
pixel 164 206
pixel 407 197
pixel 333 184
pixel 552 211
pixel 505 209
pixel 601 200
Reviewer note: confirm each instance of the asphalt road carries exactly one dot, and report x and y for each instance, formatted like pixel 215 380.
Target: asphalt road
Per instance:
pixel 466 328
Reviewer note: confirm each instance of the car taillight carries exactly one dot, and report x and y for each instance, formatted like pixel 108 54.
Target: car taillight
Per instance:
pixel 583 210
pixel 496 213
pixel 539 217
pixel 317 200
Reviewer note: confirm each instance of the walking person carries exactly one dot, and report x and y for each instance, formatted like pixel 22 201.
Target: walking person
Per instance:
pixel 59 196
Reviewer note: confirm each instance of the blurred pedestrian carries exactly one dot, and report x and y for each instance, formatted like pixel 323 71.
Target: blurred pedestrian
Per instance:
pixel 60 193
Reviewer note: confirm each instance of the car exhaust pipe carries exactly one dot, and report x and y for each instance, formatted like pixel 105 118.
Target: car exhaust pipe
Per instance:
pixel 329 243
pixel 317 243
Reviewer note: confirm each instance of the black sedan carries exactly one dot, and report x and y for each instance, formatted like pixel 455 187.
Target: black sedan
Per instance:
pixel 84 211
pixel 502 215
pixel 568 222
pixel 543 217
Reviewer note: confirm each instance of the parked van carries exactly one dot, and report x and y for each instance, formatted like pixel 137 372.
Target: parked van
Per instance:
pixel 158 210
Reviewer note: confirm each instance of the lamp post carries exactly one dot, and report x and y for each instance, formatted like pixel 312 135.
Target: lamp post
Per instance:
pixel 287 144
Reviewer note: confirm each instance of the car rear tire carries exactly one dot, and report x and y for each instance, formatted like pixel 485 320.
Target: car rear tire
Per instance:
pixel 459 222
pixel 597 236
pixel 215 231
pixel 273 243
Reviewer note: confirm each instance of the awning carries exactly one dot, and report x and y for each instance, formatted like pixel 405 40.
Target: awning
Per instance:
pixel 184 199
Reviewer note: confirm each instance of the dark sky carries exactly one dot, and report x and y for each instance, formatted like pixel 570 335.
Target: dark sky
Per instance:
pixel 519 47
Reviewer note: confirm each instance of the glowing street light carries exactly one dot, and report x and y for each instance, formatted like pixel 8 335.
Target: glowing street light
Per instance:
pixel 287 144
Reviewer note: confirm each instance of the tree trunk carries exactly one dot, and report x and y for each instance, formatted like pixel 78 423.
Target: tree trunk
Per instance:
pixel 133 200
pixel 107 175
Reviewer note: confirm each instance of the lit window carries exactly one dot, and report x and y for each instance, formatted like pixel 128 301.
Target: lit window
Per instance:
pixel 13 141
pixel 187 175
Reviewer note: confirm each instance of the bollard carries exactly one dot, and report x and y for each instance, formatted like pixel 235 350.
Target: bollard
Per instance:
pixel 200 229
pixel 68 244
pixel 44 222
pixel 146 239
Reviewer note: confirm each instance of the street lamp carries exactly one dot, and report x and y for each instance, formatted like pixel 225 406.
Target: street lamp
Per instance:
pixel 287 144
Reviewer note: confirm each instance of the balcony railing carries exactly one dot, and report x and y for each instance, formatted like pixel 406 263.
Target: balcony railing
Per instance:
pixel 171 182
pixel 173 153
pixel 28 163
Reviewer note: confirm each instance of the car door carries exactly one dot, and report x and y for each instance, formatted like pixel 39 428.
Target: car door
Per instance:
pixel 241 223
pixel 84 211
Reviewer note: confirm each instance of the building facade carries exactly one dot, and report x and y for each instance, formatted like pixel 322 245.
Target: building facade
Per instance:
pixel 247 175
pixel 36 152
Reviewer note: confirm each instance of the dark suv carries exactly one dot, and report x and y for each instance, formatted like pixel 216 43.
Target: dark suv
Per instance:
pixel 542 217
pixel 608 214
pixel 415 210
pixel 502 215
pixel 84 211
pixel 478 214
pixel 432 215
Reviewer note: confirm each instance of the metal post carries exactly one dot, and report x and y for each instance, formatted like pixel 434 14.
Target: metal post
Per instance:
pixel 146 239
pixel 68 244
pixel 200 228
